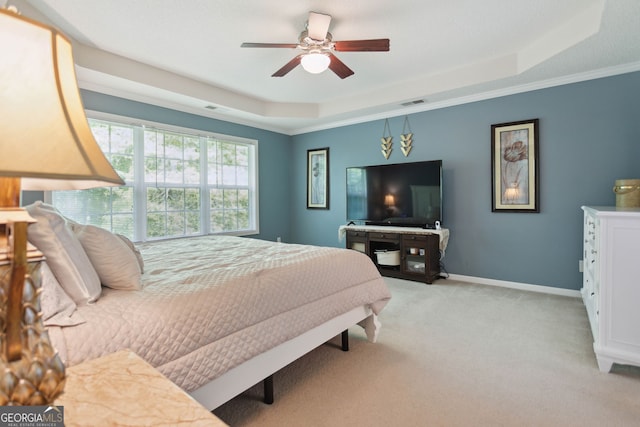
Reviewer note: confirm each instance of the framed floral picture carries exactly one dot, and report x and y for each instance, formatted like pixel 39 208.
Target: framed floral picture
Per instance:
pixel 515 167
pixel 318 178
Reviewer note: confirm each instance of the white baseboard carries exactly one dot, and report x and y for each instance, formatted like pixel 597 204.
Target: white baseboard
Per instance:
pixel 517 285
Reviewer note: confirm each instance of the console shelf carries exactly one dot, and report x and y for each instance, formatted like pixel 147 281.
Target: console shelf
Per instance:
pixel 403 252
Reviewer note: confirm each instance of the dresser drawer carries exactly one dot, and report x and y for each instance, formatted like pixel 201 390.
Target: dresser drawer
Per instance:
pixel 383 236
pixel 590 228
pixel 417 238
pixel 354 234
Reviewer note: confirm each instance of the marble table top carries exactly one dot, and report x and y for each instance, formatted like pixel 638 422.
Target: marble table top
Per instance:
pixel 123 389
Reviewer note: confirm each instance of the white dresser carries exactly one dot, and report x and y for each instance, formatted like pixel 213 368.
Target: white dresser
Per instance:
pixel 611 283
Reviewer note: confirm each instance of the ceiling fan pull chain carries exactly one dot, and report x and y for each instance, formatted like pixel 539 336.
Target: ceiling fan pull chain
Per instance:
pixel 406 138
pixel 387 141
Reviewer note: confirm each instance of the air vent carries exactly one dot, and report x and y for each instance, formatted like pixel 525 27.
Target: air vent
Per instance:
pixel 409 103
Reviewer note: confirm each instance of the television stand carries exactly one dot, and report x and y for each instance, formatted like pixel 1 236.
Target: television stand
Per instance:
pixel 410 253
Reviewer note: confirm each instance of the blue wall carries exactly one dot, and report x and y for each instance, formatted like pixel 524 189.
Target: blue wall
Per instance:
pixel 274 154
pixel 589 137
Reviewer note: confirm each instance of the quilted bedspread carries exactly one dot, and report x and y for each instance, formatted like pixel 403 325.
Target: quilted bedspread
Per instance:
pixel 210 303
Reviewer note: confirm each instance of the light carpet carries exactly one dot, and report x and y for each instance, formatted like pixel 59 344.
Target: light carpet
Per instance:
pixel 453 354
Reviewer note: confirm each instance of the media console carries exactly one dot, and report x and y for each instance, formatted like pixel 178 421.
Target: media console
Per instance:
pixel 410 253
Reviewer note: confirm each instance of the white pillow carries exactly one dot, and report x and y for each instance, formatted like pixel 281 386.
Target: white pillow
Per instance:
pixel 58 309
pixel 115 262
pixel 135 250
pixel 64 253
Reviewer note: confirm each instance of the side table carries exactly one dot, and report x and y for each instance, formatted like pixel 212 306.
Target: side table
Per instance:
pixel 122 389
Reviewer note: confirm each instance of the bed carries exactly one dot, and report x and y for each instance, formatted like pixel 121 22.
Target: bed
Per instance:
pixel 215 314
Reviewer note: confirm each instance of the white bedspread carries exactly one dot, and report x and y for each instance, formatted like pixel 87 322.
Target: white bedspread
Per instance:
pixel 211 303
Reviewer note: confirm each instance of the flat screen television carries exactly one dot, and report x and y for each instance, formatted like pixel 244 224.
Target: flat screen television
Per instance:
pixel 402 194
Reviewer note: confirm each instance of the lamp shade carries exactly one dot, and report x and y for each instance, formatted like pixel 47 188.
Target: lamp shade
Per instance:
pixel 315 63
pixel 44 135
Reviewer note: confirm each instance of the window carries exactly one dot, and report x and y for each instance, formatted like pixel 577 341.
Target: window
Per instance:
pixel 178 183
pixel 356 193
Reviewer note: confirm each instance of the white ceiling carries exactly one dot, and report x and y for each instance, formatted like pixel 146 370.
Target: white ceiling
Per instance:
pixel 186 54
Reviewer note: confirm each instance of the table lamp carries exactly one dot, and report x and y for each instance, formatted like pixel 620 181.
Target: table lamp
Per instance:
pixel 45 144
pixel 389 202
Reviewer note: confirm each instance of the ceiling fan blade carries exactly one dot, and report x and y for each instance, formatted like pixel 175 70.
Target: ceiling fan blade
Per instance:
pixel 289 45
pixel 288 67
pixel 318 25
pixel 339 67
pixel 373 45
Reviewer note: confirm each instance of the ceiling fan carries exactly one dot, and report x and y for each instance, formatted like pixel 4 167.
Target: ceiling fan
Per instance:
pixel 318 47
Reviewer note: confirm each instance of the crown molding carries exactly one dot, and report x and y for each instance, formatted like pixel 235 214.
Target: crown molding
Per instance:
pixel 219 114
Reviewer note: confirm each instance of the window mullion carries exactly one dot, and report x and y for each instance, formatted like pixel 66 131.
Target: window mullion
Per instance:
pixel 140 189
pixel 254 212
pixel 205 207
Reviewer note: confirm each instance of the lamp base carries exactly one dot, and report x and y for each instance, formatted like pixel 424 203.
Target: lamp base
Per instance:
pixel 37 377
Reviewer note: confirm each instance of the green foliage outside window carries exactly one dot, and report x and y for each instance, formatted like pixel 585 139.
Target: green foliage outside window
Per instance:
pixel 168 195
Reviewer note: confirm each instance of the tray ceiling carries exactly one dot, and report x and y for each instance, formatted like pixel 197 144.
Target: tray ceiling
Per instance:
pixel 186 54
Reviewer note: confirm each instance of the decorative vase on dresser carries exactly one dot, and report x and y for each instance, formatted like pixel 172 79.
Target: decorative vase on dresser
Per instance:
pixel 611 283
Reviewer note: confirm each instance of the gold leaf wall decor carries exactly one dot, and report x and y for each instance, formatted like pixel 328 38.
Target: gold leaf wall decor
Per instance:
pixel 387 141
pixel 405 143
pixel 386 146
pixel 406 138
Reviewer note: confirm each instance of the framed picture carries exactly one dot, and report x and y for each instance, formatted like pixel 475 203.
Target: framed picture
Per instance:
pixel 318 178
pixel 514 167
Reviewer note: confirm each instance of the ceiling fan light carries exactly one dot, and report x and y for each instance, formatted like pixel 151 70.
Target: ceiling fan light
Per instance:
pixel 315 63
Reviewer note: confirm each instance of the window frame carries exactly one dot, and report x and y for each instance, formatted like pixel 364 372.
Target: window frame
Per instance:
pixel 140 186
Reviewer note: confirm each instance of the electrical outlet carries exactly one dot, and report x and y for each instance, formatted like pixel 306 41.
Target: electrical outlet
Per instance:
pixel 581 266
